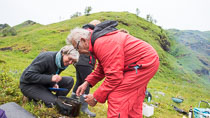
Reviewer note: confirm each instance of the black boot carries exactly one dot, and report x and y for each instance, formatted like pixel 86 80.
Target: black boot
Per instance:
pixel 84 107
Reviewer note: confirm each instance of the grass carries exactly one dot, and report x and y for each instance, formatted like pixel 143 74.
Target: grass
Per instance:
pixel 172 79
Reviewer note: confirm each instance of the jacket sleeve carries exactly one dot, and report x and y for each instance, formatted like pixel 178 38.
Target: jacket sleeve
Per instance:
pixel 95 76
pixel 111 56
pixel 36 72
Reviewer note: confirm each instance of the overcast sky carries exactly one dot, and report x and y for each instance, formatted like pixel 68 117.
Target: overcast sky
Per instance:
pixel 179 14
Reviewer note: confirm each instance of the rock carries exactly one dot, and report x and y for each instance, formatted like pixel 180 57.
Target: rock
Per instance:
pixel 13 110
pixel 160 93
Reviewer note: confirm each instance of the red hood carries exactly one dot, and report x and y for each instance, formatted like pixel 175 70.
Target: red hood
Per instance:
pixel 90 45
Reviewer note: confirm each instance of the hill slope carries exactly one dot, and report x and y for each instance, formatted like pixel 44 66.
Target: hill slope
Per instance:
pixel 195 52
pixel 172 79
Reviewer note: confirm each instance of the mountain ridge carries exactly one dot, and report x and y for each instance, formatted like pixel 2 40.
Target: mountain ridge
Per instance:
pixel 197 45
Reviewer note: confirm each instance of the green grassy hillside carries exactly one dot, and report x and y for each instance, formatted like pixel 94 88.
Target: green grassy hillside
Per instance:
pixel 17 52
pixel 192 51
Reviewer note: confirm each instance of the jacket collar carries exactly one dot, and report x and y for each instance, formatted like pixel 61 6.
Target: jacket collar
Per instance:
pixel 90 45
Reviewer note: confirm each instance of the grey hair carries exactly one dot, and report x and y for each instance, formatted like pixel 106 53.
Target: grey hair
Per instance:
pixel 76 34
pixel 69 50
pixel 95 22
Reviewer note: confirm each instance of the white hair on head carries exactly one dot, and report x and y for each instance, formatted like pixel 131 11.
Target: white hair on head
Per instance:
pixel 69 50
pixel 76 34
pixel 95 22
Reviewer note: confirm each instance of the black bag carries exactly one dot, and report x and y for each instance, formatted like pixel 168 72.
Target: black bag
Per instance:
pixel 68 106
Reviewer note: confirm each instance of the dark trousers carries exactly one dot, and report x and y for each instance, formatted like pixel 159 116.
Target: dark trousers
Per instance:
pixel 41 92
pixel 81 73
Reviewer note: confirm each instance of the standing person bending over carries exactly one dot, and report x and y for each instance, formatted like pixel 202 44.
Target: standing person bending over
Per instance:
pixel 44 72
pixel 84 67
pixel 126 62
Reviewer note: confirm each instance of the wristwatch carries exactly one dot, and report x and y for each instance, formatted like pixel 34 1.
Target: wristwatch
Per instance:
pixel 95 100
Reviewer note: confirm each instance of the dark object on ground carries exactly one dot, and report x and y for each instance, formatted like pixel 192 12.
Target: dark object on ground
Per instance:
pixel 148 95
pixel 68 106
pixel 177 100
pixel 180 110
pixel 13 110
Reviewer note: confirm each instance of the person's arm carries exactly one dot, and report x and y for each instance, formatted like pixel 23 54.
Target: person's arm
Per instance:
pixel 36 72
pixel 95 76
pixel 111 56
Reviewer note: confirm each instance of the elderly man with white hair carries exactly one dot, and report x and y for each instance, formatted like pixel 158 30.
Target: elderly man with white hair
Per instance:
pixel 43 73
pixel 126 62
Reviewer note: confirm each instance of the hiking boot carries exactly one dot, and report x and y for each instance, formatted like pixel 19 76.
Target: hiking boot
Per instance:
pixel 84 107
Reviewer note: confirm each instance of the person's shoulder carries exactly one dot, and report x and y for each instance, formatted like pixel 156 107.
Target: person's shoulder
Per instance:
pixel 47 54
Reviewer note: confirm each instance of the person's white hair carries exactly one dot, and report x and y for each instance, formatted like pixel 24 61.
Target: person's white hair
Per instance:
pixel 76 34
pixel 69 50
pixel 95 22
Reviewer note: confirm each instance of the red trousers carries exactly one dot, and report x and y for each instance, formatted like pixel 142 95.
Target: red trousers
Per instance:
pixel 126 100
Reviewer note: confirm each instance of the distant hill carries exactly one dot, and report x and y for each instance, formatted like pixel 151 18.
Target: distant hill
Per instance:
pixel 6 30
pixel 25 24
pixel 192 50
pixel 173 79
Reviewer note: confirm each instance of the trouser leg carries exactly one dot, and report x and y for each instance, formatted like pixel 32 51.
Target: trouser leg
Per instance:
pixel 39 92
pixel 127 98
pixel 126 104
pixel 78 80
pixel 81 73
pixel 66 82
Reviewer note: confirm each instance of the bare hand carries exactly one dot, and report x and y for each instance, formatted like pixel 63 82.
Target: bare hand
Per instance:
pixel 90 100
pixel 56 86
pixel 56 78
pixel 81 89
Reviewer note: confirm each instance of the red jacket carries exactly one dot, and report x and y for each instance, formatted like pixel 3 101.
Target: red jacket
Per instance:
pixel 115 51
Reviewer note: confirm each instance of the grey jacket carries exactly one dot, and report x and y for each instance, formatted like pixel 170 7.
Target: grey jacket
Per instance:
pixel 41 70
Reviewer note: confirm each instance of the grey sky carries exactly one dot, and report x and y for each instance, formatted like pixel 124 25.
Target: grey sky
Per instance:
pixel 179 14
